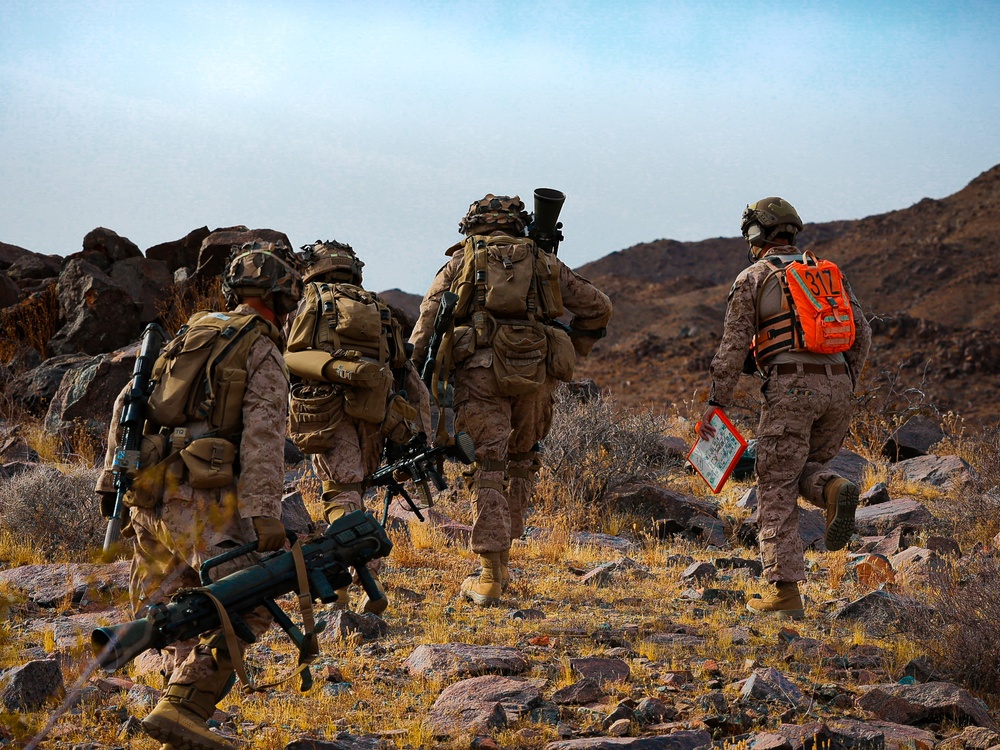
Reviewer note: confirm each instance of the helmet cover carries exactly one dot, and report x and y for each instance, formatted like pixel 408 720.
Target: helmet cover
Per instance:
pixel 268 270
pixel 329 257
pixel 494 211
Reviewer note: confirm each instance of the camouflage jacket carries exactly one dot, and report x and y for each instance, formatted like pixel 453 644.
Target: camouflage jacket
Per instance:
pixel 741 326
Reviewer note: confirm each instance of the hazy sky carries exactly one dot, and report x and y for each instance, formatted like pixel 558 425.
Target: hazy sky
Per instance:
pixel 377 123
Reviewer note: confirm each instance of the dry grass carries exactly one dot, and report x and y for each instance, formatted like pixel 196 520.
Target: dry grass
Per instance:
pixel 31 323
pixel 187 299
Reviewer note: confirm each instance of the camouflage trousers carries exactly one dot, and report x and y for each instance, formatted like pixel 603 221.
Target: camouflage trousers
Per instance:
pixel 502 427
pixel 171 543
pixel 804 419
pixel 355 453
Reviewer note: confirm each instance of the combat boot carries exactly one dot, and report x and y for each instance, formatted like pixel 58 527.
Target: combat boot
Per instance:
pixel 504 569
pixel 180 720
pixel 333 511
pixel 785 604
pixel 377 606
pixel 485 589
pixel 841 496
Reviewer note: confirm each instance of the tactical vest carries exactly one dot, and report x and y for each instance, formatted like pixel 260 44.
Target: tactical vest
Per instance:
pixel 201 375
pixel 816 314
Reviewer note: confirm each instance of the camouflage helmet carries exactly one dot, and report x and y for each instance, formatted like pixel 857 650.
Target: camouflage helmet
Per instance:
pixel 493 212
pixel 767 218
pixel 268 270
pixel 331 258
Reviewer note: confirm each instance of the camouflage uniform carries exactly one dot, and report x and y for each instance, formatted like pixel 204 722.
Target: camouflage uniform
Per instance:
pixel 504 427
pixel 804 419
pixel 174 538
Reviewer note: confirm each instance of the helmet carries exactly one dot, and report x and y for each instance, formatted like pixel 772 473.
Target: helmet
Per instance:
pixel 331 258
pixel 768 218
pixel 263 269
pixel 495 210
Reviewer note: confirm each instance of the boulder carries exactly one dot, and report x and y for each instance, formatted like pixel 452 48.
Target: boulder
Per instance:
pixel 812 529
pixel 850 733
pixel 110 244
pixel 580 692
pixel 342 623
pixel 914 438
pixel 671 512
pixel 100 315
pixel 10 293
pixel 26 688
pixel 182 253
pixel 944 472
pixel 50 585
pixel 917 565
pixel 770 685
pixel 33 270
pixel 294 514
pixel 216 247
pixel 699 571
pixel 972 738
pixel 879 519
pixel 880 610
pixel 87 393
pixel 148 282
pixel 849 465
pixel 450 660
pixel 10 254
pixel 877 494
pixel 482 704
pixel 926 703
pixel 688 739
pixel 34 389
pixel 624 568
pixel 601 669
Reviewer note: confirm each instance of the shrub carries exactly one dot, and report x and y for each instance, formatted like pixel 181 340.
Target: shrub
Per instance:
pixel 187 299
pixel 55 512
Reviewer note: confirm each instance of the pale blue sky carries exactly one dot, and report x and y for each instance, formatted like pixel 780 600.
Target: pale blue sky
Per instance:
pixel 377 123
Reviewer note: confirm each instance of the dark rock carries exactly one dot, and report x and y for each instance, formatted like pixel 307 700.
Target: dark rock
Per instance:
pixel 682 640
pixel 87 393
pixel 723 596
pixel 26 688
pixel 604 541
pixel 768 741
pixel 699 571
pixel 341 741
pixel 583 391
pixel 294 515
pixel 875 495
pixel 109 244
pixel 944 546
pixel 849 465
pixel 749 499
pixel 929 702
pixel 811 736
pixel 920 670
pixel 33 390
pixel 14 449
pixel 708 530
pixel 914 438
pixel 714 702
pixel 601 670
pixel 10 293
pixel 682 740
pixel 527 614
pixel 580 692
pixel 879 519
pixel 217 246
pixel 917 565
pixel 100 315
pixel 654 711
pixel 880 610
pixel 293 456
pixel 182 253
pixel 342 623
pixel 147 281
pixel 52 585
pixel 670 511
pixel 945 472
pixel 808 649
pixel 482 704
pixel 624 568
pixel 770 685
pixel 450 660
pixel 738 563
pixel 621 712
pixel 972 738
pixel 895 541
pixel 812 529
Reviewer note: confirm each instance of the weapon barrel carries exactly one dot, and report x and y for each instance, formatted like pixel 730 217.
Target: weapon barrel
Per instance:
pixel 548 204
pixel 117 645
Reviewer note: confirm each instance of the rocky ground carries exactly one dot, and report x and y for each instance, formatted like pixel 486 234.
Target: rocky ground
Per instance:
pixel 629 634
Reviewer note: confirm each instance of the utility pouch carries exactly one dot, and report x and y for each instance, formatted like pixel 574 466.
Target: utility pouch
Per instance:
pixel 549 292
pixel 314 415
pixel 209 462
pixel 400 423
pixel 519 354
pixel 369 403
pixel 147 485
pixel 229 403
pixel 463 344
pixel 358 373
pixel 561 357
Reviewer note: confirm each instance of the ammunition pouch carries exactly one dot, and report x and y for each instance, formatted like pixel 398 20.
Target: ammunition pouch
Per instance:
pixel 314 414
pixel 146 489
pixel 519 358
pixel 560 360
pixel 463 344
pixel 209 462
pixel 399 424
pixel 369 403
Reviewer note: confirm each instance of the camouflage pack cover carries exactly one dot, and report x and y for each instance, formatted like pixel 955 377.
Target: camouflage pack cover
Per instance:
pixel 493 211
pixel 330 257
pixel 263 269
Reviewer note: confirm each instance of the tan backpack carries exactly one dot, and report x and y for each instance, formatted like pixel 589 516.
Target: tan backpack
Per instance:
pixel 202 373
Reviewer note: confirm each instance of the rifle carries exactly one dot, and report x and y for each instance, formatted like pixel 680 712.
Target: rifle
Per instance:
pixel 442 324
pixel 545 226
pixel 419 463
pixel 133 423
pixel 349 542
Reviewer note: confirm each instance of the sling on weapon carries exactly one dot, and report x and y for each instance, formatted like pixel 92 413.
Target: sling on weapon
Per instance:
pixel 324 565
pixel 133 423
pixel 442 324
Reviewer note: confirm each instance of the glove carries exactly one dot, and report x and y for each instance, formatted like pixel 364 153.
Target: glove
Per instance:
pixel 270 533
pixel 107 499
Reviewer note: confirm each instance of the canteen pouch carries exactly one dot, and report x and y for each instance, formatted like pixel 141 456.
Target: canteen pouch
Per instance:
pixel 400 423
pixel 314 413
pixel 519 354
pixel 147 485
pixel 369 404
pixel 560 361
pixel 209 462
pixel 358 373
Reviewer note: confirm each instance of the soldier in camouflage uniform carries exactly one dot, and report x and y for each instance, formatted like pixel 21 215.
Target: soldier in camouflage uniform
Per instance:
pixel 506 427
pixel 806 405
pixel 181 526
pixel 352 447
